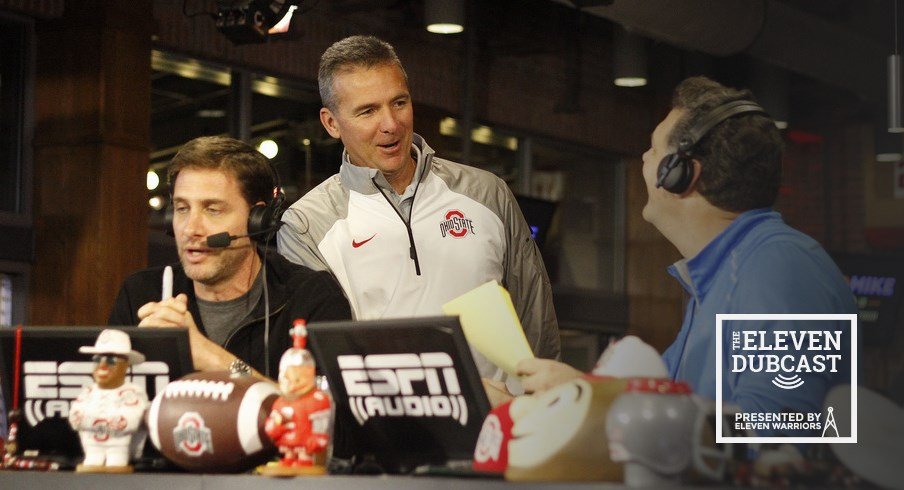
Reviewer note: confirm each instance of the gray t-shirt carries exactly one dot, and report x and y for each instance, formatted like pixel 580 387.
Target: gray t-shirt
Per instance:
pixel 222 317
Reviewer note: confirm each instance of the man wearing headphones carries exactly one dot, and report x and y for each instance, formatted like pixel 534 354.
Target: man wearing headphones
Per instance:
pixel 712 174
pixel 237 301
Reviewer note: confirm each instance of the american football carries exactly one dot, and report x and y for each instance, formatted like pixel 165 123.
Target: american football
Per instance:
pixel 213 422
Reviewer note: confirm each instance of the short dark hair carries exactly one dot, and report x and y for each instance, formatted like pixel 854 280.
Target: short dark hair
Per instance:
pixel 250 168
pixel 352 52
pixel 741 157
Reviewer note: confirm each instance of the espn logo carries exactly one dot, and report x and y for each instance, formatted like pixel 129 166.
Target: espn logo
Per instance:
pixel 395 385
pixel 49 387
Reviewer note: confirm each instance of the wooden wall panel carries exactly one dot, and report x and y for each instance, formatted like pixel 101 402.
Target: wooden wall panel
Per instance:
pixel 92 125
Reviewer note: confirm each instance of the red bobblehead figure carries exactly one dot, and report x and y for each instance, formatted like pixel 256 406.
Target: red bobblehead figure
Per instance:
pixel 299 421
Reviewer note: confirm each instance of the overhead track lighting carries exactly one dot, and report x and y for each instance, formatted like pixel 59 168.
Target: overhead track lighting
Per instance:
pixel 444 16
pixel 254 21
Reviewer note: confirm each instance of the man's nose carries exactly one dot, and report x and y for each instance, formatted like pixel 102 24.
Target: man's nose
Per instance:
pixel 194 224
pixel 389 122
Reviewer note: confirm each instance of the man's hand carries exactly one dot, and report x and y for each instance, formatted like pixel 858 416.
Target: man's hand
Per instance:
pixel 171 312
pixel 542 374
pixel 497 393
pixel 206 355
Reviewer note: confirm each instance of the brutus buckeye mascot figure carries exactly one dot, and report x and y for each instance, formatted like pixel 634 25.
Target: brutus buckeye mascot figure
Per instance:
pixel 299 421
pixel 108 413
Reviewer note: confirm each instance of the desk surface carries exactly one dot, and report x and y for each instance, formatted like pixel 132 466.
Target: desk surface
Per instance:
pixel 66 480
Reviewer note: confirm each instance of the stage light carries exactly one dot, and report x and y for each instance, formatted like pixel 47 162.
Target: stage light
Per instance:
pixel 254 21
pixel 282 26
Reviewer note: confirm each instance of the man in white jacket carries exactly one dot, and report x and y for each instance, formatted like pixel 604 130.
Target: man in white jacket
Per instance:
pixel 402 230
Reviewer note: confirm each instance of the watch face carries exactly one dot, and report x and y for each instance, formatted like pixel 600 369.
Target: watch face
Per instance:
pixel 239 367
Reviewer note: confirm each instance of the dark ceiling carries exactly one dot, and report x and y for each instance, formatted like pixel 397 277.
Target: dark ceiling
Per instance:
pixel 189 101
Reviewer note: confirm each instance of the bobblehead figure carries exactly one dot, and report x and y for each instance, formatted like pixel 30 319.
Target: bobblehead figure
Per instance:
pixel 299 421
pixel 108 413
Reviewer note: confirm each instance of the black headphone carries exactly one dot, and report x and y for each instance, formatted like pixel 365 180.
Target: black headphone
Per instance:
pixel 675 169
pixel 263 219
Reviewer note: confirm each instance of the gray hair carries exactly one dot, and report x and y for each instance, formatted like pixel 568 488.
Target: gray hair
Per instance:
pixel 352 52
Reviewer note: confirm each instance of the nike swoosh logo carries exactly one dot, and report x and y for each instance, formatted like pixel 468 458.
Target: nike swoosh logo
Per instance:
pixel 358 244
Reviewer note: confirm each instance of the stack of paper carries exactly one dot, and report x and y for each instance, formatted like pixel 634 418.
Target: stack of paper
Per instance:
pixel 491 325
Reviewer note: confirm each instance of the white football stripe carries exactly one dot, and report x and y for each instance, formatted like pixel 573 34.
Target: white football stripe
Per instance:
pixel 152 420
pixel 249 435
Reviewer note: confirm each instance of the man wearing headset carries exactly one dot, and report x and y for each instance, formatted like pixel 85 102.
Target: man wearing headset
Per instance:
pixel 712 174
pixel 235 318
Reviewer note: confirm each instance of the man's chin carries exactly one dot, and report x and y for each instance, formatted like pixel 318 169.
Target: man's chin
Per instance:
pixel 647 213
pixel 201 273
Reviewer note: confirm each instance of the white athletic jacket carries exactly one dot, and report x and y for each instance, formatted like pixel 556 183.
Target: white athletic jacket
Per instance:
pixel 465 229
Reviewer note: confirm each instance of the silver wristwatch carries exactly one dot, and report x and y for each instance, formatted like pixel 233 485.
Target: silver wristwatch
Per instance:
pixel 239 367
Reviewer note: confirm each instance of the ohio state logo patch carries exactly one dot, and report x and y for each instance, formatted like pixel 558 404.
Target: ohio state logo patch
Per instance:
pixel 100 430
pixel 456 224
pixel 489 442
pixel 191 436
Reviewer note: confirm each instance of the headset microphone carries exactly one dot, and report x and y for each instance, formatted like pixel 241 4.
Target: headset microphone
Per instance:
pixel 222 240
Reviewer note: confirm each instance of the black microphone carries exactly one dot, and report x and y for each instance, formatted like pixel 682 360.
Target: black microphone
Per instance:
pixel 222 240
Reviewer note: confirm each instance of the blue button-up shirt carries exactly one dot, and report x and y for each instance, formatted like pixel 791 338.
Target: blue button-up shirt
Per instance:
pixel 758 264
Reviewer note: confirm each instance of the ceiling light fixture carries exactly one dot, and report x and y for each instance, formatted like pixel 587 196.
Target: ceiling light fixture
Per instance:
pixel 269 148
pixel 444 16
pixel 153 180
pixel 630 59
pixel 156 202
pixel 888 145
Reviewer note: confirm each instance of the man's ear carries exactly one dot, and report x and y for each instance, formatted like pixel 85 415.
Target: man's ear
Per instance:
pixel 697 169
pixel 329 122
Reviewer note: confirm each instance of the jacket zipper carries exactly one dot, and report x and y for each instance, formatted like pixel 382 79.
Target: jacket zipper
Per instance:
pixel 412 249
pixel 252 322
